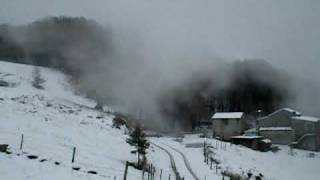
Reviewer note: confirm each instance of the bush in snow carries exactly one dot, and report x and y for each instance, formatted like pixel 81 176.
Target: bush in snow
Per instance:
pixel 37 78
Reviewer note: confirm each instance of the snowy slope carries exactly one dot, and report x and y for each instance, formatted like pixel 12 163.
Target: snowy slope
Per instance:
pixel 53 121
pixel 241 160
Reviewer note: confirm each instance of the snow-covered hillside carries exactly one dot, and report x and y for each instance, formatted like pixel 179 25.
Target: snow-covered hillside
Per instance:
pixel 53 121
pixel 280 165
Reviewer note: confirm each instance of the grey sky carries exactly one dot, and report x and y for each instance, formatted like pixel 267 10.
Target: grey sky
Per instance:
pixel 284 32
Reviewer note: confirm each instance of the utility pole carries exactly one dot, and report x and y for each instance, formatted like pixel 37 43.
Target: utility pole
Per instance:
pixel 257 122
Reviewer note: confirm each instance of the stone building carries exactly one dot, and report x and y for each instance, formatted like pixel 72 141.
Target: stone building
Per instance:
pixel 227 124
pixel 307 131
pixel 278 135
pixel 288 127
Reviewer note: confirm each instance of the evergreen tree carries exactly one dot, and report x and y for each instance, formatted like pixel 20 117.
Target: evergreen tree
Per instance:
pixel 137 138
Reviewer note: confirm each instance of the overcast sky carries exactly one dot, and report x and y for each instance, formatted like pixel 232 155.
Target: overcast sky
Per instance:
pixel 284 32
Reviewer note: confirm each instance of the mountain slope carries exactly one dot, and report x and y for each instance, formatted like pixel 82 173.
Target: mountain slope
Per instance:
pixel 53 121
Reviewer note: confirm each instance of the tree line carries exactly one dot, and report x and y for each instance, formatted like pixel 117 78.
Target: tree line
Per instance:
pixel 248 86
pixel 66 43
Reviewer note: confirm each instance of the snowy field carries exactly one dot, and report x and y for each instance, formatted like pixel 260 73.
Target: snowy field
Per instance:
pixel 55 119
pixel 241 160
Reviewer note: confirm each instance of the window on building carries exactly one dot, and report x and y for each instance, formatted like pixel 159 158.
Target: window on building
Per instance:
pixel 226 122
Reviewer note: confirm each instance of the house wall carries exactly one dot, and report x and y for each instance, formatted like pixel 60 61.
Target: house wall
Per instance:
pixel 284 137
pixel 307 143
pixel 317 134
pixel 227 128
pixel 303 127
pixel 278 119
pixel 250 143
pixel 300 128
pixel 306 127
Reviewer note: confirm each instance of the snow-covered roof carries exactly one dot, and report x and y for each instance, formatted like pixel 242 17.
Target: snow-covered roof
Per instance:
pixel 266 140
pixel 288 109
pixel 275 129
pixel 282 109
pixel 306 118
pixel 251 130
pixel 228 115
pixel 247 137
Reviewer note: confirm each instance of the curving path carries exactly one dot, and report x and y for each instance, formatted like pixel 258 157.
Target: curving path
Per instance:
pixel 173 164
pixel 186 162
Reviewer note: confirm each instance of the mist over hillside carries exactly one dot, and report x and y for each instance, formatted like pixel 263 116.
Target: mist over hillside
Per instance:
pixel 176 67
pixel 158 91
pixel 68 43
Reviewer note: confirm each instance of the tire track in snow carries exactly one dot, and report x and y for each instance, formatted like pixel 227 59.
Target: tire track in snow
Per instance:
pixel 186 162
pixel 173 164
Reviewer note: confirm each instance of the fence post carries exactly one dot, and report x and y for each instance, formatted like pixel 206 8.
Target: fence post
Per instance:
pixel 160 174
pixel 204 151
pixel 152 174
pixel 207 159
pixel 126 171
pixel 143 171
pixel 21 143
pixel 73 154
pixel 216 168
pixel 169 176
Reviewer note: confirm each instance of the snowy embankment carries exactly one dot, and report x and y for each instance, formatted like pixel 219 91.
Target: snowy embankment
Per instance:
pixel 241 160
pixel 53 121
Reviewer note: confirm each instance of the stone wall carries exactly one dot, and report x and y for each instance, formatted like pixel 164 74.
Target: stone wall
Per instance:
pixel 227 128
pixel 284 137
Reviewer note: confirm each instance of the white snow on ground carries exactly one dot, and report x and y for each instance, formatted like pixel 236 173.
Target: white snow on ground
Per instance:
pixel 274 166
pixel 53 121
pixel 161 161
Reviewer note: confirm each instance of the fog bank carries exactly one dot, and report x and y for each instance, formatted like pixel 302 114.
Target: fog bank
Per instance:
pixel 161 44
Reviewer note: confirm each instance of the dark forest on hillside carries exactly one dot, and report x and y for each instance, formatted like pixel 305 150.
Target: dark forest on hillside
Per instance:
pixel 252 85
pixel 66 43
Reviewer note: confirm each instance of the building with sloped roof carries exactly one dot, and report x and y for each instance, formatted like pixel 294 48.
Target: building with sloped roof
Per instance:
pixel 307 131
pixel 288 127
pixel 227 124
